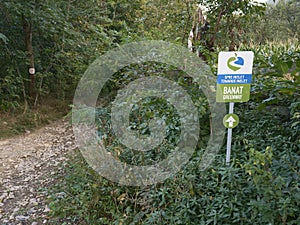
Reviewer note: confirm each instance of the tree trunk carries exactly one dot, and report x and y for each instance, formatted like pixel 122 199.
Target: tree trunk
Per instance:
pixel 198 30
pixel 211 43
pixel 27 29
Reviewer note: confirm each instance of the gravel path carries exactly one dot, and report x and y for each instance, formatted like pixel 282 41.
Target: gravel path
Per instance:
pixel 29 164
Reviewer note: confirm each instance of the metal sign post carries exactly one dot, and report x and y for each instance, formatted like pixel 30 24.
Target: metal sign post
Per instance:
pixel 229 136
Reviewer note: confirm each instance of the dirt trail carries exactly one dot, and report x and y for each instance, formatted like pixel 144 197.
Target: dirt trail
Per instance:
pixel 28 166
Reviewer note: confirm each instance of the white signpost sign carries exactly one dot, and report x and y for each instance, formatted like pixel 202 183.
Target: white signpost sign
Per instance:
pixel 233 85
pixel 234 76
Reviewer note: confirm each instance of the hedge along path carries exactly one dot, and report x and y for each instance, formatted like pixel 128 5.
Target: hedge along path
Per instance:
pixel 29 164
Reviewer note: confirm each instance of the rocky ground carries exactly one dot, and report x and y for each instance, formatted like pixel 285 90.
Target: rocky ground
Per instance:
pixel 29 165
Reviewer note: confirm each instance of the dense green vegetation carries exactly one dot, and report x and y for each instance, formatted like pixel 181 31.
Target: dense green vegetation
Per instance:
pixel 262 184
pixel 60 38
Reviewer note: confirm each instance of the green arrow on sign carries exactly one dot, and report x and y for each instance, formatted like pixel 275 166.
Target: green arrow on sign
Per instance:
pixel 231 120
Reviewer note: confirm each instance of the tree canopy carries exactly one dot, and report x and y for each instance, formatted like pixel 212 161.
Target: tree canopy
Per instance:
pixel 60 38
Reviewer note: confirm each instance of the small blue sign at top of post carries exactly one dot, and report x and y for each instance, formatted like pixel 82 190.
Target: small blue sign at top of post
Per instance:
pixel 234 78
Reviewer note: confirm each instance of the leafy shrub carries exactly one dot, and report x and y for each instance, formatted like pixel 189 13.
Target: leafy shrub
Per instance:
pixel 261 186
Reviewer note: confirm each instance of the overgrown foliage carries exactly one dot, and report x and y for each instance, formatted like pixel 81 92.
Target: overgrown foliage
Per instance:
pixel 278 24
pixel 67 36
pixel 261 186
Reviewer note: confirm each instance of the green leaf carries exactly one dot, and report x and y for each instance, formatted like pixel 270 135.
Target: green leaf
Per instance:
pixel 284 67
pixel 4 38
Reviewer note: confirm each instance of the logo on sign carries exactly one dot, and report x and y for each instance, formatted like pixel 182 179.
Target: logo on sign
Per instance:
pixel 235 63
